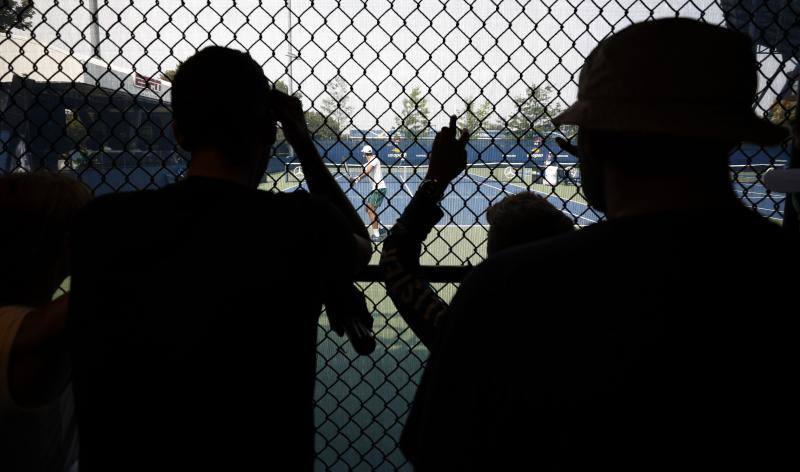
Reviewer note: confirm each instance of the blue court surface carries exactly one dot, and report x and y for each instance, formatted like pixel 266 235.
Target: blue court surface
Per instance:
pixel 470 196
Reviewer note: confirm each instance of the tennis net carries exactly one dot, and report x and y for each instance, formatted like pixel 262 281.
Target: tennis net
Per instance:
pixel 751 174
pixel 504 172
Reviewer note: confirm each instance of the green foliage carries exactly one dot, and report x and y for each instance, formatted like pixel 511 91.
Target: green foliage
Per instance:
pixel 169 75
pixel 413 119
pixel 534 112
pixel 15 14
pixel 336 107
pixel 76 131
pixel 281 86
pixel 473 116
pixel 321 126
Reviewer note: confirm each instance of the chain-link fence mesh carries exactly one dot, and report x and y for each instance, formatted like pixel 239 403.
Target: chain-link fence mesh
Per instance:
pixel 85 90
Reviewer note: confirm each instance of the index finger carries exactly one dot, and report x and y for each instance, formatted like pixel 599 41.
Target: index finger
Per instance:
pixel 453 125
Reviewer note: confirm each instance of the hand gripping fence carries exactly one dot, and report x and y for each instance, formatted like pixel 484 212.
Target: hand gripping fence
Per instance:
pixel 85 90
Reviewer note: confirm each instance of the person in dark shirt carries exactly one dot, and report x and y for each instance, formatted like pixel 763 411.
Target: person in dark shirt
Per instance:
pixel 517 219
pixel 669 348
pixel 194 308
pixel 38 428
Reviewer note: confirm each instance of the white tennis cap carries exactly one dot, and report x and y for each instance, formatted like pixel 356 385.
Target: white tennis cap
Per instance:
pixel 367 149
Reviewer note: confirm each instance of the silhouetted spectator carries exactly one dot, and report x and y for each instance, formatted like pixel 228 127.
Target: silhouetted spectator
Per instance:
pixel 195 306
pixel 38 430
pixel 655 346
pixel 517 219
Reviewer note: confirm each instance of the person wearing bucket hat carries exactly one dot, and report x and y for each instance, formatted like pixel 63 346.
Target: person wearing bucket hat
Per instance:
pixel 660 355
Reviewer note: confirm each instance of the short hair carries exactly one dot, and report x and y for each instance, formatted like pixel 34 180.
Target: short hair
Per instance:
pixel 37 210
pixel 209 113
pixel 524 218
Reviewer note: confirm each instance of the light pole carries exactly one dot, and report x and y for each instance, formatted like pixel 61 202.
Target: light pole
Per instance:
pixel 292 56
pixel 94 29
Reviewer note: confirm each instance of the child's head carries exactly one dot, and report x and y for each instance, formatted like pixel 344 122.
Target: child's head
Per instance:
pixel 524 218
pixel 36 211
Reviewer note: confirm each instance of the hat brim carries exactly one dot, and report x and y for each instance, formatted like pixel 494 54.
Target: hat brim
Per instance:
pixel 674 119
pixel 782 180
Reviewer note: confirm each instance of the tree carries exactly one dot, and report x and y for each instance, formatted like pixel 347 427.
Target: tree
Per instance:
pixel 534 112
pixel 281 86
pixel 473 116
pixel 320 126
pixel 169 74
pixel 336 106
pixel 15 14
pixel 413 118
pixel 76 130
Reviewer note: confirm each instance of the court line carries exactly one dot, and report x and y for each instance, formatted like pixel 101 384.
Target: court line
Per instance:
pixel 486 180
pixel 542 194
pixel 548 195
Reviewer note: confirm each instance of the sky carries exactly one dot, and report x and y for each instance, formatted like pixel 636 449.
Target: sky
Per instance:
pixel 452 50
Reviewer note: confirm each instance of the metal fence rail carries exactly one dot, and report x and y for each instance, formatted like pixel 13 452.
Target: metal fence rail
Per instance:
pixel 85 90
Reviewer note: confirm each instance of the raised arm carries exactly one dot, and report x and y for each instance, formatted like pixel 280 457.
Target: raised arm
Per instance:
pixel 38 369
pixel 413 296
pixel 289 112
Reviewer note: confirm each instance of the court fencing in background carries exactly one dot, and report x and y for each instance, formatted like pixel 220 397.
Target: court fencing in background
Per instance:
pixel 85 90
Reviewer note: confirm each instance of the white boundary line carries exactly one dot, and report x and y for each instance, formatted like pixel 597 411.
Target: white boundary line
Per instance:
pixel 542 194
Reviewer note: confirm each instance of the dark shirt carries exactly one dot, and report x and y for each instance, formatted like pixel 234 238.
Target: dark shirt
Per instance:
pixel 194 315
pixel 415 299
pixel 659 343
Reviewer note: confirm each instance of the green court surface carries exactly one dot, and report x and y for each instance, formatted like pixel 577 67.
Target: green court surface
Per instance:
pixel 450 245
pixel 361 402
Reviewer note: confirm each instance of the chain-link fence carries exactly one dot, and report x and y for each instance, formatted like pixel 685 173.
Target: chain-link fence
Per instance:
pixel 85 90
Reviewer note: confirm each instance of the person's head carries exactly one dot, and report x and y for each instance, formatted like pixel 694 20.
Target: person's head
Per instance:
pixel 36 211
pixel 665 100
pixel 367 152
pixel 608 156
pixel 234 122
pixel 523 218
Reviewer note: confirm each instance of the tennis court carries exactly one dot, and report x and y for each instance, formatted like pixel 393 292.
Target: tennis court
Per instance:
pixel 460 237
pixel 465 205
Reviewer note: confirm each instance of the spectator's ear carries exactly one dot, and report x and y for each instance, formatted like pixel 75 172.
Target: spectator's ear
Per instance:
pixel 180 138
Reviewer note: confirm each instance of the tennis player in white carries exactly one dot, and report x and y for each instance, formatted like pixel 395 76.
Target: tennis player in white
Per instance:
pixel 372 168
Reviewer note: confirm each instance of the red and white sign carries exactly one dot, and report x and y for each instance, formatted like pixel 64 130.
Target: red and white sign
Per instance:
pixel 146 82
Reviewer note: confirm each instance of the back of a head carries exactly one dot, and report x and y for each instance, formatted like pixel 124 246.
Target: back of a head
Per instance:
pixel 524 218
pixel 38 208
pixel 234 120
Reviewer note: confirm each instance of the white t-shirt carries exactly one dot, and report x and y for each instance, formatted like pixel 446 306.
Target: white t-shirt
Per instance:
pixel 42 438
pixel 551 174
pixel 376 175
